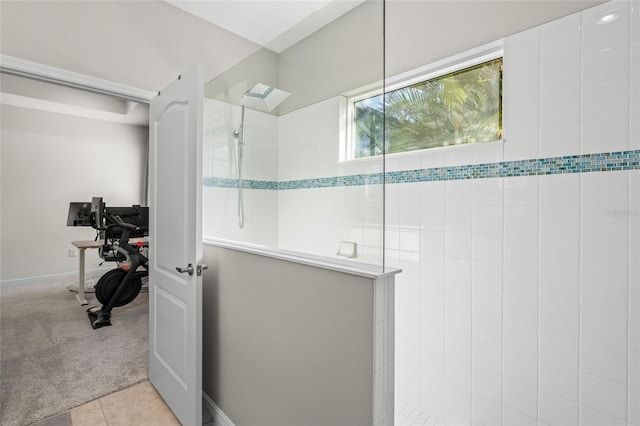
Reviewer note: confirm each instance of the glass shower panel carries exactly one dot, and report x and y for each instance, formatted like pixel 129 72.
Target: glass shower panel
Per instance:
pixel 279 171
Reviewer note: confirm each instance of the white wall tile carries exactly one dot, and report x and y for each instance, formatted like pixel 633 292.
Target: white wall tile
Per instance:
pixel 459 193
pixel 486 301
pixel 558 252
pixel 608 190
pixel 407 385
pixel 604 326
pixel 603 361
pixel 634 333
pixel 458 273
pixel 635 20
pixel 487 329
pixel 557 411
pixel 487 274
pixel 521 250
pixel 560 221
pixel 488 152
pixel 560 190
pixel 634 366
pixel 520 368
pixel 606 222
pixel 457 347
pixel 559 381
pixel 557 140
pixel 559 71
pixel 605 135
pixel 485 412
pixel 521 279
pixel 519 338
pixel 458 218
pixel 560 283
pixel 596 35
pixel 487 247
pixel 521 191
pixel 487 385
pixel 521 144
pixel 433 217
pixel 433 158
pixel 521 398
pixel 560 349
pixel 634 90
pixel 457 373
pixel 488 206
pixel 520 309
pixel 606 84
pixel 521 81
pixel 459 155
pixel 596 294
pixel 634 406
pixel 457 321
pixel 521 219
pixel 593 418
pixel 432 397
pixel 457 405
pixel 514 418
pixel 432 363
pixel 486 357
pixel 604 396
pixel 559 317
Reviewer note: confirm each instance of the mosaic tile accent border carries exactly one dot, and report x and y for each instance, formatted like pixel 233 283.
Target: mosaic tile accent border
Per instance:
pixel 233 183
pixel 601 162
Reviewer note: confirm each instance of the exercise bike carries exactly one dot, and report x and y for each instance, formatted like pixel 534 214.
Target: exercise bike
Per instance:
pixel 121 285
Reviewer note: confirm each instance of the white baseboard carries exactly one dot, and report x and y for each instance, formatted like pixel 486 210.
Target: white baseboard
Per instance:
pixel 219 417
pixel 22 282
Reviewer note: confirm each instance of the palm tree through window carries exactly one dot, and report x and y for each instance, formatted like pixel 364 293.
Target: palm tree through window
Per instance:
pixel 461 107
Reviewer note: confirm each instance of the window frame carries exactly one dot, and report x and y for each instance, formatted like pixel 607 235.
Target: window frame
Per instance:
pixel 467 59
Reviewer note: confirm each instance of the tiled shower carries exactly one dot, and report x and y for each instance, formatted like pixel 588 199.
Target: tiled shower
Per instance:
pixel 519 300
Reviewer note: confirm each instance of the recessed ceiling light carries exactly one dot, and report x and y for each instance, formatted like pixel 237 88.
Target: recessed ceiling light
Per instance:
pixel 607 19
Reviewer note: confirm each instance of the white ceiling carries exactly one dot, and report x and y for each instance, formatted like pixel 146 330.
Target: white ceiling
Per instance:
pixel 276 25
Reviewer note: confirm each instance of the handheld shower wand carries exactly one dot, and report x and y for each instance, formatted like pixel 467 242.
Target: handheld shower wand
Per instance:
pixel 239 135
pixel 262 98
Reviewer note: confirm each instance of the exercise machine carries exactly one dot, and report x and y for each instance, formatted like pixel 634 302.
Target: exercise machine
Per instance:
pixel 116 226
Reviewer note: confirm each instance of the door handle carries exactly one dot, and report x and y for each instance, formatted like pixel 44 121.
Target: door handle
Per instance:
pixel 188 269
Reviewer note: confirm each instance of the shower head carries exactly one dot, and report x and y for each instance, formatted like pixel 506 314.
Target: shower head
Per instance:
pixel 263 98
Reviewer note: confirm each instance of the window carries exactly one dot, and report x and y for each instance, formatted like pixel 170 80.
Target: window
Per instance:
pixel 460 107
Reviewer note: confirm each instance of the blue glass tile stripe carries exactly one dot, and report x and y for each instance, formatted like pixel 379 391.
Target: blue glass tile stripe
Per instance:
pixel 601 162
pixel 233 183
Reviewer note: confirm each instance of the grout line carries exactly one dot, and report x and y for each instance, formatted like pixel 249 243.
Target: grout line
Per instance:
pixel 104 416
pixel 580 223
pixel 539 207
pixel 503 185
pixel 629 250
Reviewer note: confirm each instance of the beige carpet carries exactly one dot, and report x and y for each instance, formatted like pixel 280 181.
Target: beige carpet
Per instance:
pixel 51 359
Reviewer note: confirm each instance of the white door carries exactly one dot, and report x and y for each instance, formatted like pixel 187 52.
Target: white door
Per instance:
pixel 175 242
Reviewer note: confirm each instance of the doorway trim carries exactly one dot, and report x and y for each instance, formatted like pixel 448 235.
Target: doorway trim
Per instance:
pixel 34 70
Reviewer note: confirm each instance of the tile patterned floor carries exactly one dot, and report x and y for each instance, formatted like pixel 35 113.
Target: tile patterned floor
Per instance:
pixel 138 405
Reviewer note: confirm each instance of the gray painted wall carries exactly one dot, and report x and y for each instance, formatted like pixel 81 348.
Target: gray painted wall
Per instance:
pixel 48 160
pixel 144 44
pixel 286 344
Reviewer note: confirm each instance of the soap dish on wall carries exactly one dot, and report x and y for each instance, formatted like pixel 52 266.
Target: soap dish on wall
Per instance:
pixel 347 249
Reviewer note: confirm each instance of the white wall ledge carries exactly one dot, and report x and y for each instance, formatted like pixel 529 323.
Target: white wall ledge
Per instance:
pixel 348 267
